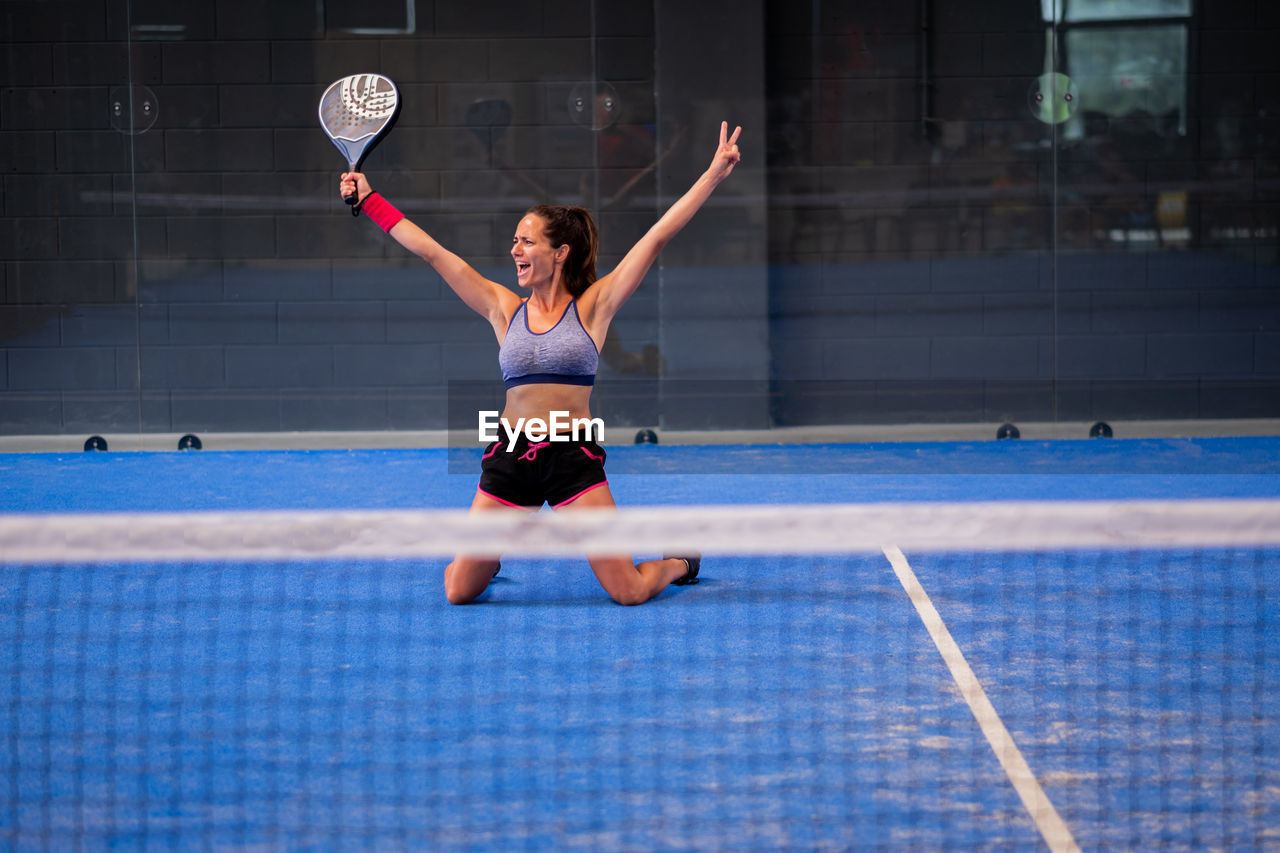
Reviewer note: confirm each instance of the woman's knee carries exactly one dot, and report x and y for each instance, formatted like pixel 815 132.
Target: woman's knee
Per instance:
pixel 629 591
pixel 455 595
pixel 463 583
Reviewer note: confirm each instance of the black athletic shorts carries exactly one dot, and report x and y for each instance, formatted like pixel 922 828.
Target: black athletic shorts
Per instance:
pixel 554 472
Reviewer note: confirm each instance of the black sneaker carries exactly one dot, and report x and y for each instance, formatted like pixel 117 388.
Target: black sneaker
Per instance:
pixel 691 576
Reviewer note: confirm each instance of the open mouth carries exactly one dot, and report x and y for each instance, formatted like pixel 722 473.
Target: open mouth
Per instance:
pixel 522 268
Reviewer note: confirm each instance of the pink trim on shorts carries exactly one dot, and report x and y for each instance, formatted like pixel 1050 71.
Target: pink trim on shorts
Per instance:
pixel 500 500
pixel 580 494
pixel 531 454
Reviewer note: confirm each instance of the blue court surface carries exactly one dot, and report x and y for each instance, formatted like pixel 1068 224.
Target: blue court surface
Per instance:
pixel 785 702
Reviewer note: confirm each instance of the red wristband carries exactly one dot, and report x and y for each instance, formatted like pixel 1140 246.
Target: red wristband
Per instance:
pixel 382 212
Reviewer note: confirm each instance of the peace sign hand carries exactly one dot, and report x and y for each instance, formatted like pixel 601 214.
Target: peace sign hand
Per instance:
pixel 727 154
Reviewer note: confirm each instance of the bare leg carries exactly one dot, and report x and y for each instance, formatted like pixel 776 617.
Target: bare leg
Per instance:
pixel 468 576
pixel 625 581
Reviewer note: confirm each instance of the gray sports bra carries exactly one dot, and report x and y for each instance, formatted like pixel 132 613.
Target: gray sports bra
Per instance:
pixel 562 355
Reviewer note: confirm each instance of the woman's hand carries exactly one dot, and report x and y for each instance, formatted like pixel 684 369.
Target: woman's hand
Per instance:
pixel 727 154
pixel 353 183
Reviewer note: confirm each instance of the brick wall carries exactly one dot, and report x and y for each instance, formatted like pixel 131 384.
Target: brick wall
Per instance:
pixel 896 248
pixel 204 271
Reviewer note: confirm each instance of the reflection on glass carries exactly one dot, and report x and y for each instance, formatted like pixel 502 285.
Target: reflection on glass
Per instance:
pixel 1123 69
pixel 1116 79
pixel 1112 10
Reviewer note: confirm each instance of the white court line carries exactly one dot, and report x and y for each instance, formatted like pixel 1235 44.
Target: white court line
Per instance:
pixel 1055 831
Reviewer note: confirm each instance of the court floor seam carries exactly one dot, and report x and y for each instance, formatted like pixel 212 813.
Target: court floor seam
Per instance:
pixel 1052 827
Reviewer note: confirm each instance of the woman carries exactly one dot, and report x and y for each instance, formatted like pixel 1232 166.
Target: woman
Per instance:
pixel 549 343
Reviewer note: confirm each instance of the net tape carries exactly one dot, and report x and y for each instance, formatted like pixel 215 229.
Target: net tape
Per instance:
pixel 731 529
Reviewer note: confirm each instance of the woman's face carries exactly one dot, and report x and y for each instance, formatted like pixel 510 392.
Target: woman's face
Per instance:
pixel 536 261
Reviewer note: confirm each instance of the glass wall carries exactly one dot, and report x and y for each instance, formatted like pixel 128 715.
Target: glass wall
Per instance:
pixel 1040 211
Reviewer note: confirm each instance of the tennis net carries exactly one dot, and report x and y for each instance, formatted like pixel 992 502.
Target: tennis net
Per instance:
pixel 1074 675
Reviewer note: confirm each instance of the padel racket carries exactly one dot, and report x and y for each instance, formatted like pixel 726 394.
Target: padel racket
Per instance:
pixel 355 112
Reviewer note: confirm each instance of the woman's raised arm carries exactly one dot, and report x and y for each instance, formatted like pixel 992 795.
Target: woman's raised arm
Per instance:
pixel 487 298
pixel 615 288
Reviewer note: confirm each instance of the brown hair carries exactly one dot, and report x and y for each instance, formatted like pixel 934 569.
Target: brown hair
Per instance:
pixel 572 227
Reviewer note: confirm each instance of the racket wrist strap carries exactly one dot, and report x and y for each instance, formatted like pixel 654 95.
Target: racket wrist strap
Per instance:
pixel 382 212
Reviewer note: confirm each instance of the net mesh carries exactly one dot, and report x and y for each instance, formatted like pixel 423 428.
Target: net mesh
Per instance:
pixel 878 676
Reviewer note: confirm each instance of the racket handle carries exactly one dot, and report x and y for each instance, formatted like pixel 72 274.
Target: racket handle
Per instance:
pixel 355 194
